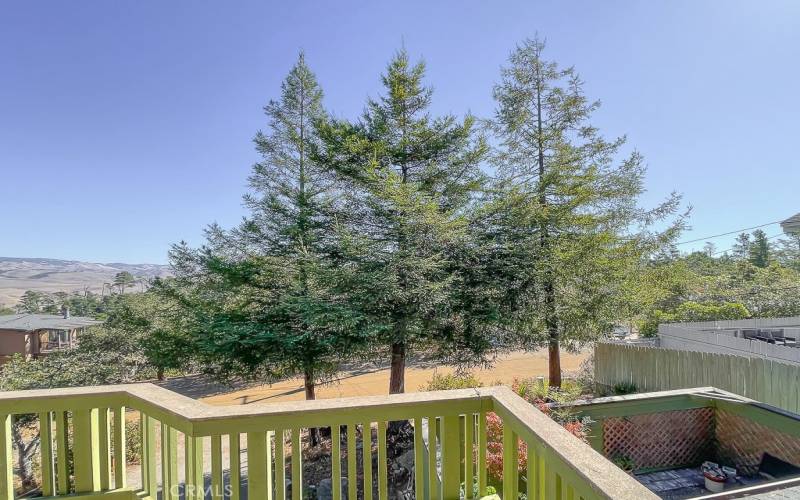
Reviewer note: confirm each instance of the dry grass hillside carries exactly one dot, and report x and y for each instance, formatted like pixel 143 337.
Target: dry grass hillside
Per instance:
pixel 54 275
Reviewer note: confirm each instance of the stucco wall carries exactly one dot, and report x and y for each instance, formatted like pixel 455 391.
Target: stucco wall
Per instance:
pixel 12 341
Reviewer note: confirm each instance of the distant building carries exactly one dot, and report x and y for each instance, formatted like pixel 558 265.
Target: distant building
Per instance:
pixel 34 335
pixel 791 225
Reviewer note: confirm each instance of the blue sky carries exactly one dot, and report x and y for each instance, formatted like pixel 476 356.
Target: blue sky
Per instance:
pixel 126 126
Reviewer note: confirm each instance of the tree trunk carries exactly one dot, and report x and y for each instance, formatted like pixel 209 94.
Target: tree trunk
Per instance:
pixel 160 373
pixel 397 379
pixel 554 362
pixel 310 387
pixel 25 458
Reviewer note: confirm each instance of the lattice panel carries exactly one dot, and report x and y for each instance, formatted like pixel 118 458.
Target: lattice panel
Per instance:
pixel 742 442
pixel 666 439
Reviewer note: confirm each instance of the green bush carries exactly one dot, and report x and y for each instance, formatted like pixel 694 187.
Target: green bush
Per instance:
pixel 622 388
pixel 458 380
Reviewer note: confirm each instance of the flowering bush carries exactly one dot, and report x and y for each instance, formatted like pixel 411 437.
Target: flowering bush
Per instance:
pixel 548 401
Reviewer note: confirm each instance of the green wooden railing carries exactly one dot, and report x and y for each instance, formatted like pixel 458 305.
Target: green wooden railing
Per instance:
pixel 86 425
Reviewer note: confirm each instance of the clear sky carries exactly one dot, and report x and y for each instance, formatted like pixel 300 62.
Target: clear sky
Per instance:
pixel 126 126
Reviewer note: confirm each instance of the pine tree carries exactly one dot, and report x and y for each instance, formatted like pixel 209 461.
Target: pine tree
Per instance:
pixel 563 216
pixel 741 249
pixel 760 249
pixel 410 177
pixel 264 294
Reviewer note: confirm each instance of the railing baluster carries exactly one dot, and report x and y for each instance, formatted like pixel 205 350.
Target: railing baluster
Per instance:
pixel 62 452
pixel 531 477
pixel 150 481
pixel 366 456
pixel 481 454
pixel 169 464
pixel 6 470
pixel 236 466
pixel 216 467
pixel 120 460
pixel 105 448
pixel 46 440
pixel 280 464
pixel 190 467
pixel 257 465
pixel 510 463
pixel 469 455
pixel 297 465
pixel 85 449
pixel 352 476
pixel 336 462
pixel 383 482
pixel 433 475
pixel 419 459
pixel 451 457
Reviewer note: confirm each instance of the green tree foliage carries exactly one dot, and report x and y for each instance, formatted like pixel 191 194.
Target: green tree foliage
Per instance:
pixel 263 299
pixel 759 249
pixel 692 311
pixel 408 179
pixel 123 280
pixel 563 224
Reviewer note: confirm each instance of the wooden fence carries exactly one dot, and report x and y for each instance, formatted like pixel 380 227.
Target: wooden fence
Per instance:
pixel 657 369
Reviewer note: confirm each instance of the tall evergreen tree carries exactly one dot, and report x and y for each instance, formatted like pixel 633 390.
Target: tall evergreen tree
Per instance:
pixel 741 249
pixel 566 230
pixel 760 249
pixel 264 294
pixel 410 178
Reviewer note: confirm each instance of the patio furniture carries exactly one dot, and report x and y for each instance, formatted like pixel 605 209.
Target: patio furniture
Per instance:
pixel 780 336
pixel 749 334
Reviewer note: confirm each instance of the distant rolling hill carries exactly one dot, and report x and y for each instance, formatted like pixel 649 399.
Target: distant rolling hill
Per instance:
pixel 18 274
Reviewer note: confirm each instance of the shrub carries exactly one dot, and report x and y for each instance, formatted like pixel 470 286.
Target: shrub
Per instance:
pixel 458 380
pixel 622 388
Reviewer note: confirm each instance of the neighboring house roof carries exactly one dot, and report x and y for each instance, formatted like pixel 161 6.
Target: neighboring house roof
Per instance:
pixel 31 322
pixel 792 224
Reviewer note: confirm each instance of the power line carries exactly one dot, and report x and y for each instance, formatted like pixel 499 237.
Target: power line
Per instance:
pixel 729 233
pixel 731 248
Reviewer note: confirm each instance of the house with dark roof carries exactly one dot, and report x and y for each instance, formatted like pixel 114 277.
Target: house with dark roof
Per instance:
pixel 792 224
pixel 34 335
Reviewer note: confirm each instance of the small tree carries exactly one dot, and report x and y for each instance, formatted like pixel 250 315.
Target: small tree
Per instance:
pixel 123 280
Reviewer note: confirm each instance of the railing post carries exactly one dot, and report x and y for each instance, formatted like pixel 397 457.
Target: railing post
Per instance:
pixel 216 467
pixel 297 465
pixel 6 470
pixel 46 440
pixel 86 450
pixel 482 454
pixel 62 452
pixel 105 448
pixel 120 447
pixel 510 463
pixel 352 475
pixel 469 455
pixel 236 465
pixel 451 457
pixel 169 462
pixel 336 462
pixel 257 465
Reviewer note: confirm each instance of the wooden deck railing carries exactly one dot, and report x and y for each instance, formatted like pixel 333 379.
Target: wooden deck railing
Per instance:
pixel 88 425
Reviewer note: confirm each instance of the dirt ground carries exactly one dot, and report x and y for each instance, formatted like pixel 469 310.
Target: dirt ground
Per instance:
pixel 375 381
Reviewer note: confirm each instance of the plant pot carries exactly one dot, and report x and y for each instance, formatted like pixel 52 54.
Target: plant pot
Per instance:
pixel 713 485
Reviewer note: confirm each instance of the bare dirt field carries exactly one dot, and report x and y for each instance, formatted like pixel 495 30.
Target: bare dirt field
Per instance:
pixel 375 381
